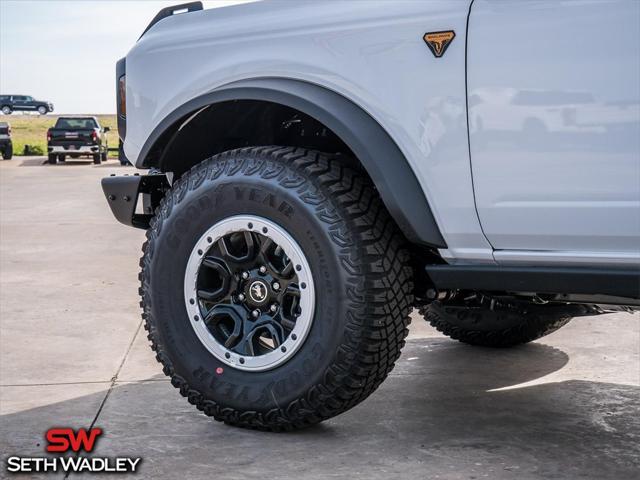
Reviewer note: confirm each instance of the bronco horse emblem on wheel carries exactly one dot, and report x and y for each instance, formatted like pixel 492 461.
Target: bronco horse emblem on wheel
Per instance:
pixel 258 292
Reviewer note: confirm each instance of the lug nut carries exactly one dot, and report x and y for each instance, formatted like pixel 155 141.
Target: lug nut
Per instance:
pixel 276 286
pixel 255 313
pixel 263 269
pixel 245 275
pixel 273 308
pixel 241 297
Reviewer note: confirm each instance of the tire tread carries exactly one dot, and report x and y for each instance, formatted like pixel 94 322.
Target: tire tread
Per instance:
pixel 523 327
pixel 372 253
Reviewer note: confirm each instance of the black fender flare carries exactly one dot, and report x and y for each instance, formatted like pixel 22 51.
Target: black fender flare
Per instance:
pixel 368 140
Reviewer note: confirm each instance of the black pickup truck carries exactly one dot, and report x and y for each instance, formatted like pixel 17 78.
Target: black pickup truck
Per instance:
pixel 6 145
pixel 76 137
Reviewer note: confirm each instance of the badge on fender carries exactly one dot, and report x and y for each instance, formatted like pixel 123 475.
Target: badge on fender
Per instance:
pixel 438 42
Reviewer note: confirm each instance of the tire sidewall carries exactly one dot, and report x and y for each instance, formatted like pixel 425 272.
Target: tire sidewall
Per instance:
pixel 198 205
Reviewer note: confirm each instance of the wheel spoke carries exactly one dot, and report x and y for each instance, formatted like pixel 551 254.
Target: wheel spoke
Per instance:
pixel 213 262
pixel 222 246
pixel 228 247
pixel 287 270
pixel 210 295
pixel 293 290
pixel 251 343
pixel 251 245
pixel 215 282
pixel 290 305
pixel 286 323
pixel 266 245
pixel 276 334
pixel 226 323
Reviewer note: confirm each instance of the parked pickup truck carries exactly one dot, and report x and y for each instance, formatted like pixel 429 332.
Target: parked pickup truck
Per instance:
pixel 6 145
pixel 318 169
pixel 77 136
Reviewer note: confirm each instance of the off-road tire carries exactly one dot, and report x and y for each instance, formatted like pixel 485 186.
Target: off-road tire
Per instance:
pixel 506 325
pixel 96 158
pixel 359 264
pixel 7 153
pixel 52 158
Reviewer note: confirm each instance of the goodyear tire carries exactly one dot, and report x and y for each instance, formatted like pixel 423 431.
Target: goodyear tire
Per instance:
pixel 352 253
pixel 504 325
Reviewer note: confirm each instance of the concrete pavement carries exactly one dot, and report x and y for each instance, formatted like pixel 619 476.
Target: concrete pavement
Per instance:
pixel 72 353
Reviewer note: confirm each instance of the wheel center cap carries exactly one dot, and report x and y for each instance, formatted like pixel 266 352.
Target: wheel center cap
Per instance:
pixel 258 292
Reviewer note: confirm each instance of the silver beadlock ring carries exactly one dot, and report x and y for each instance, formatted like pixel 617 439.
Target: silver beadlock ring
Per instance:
pixel 295 339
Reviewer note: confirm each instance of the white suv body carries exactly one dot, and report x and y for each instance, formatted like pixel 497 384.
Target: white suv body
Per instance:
pixel 505 200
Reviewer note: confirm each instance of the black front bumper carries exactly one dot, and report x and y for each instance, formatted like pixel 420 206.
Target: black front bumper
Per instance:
pixel 123 194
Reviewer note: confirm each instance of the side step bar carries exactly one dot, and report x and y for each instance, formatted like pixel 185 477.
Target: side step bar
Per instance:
pixel 559 280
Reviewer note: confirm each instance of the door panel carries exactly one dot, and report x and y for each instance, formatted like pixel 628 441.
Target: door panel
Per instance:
pixel 18 103
pixel 554 118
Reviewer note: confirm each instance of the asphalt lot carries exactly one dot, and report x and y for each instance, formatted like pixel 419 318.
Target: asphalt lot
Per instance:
pixel 73 353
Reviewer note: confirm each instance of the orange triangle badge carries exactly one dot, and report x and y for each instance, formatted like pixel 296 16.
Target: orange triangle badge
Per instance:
pixel 438 41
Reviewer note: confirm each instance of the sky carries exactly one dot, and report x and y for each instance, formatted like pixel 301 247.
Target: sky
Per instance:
pixel 65 51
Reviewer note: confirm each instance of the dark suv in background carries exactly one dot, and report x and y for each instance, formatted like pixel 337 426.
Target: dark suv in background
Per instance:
pixel 23 103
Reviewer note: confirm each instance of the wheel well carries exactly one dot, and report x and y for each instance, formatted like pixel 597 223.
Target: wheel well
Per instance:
pixel 290 112
pixel 241 123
